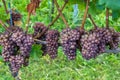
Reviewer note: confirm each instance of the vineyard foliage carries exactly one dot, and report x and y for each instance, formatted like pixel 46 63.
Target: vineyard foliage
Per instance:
pixel 103 67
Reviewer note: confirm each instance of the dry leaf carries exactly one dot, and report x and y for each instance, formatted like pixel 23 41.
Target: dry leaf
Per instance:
pixel 31 8
pixel 37 2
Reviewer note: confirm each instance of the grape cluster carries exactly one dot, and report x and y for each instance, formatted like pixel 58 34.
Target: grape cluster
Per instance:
pixel 16 48
pixel 91 45
pixel 52 37
pixel 38 28
pixel 68 41
pixel 15 64
pixel 96 41
pixel 116 40
pixel 16 16
pixel 110 37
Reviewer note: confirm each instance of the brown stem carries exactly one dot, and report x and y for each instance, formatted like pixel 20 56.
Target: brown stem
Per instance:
pixel 39 35
pixel 28 20
pixel 5 6
pixel 4 26
pixel 107 18
pixel 95 26
pixel 85 14
pixel 64 20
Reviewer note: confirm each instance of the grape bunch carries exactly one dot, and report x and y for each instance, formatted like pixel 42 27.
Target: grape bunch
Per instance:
pixel 95 42
pixel 15 17
pixel 15 64
pixel 69 39
pixel 16 48
pixel 116 40
pixel 38 28
pixel 92 45
pixel 110 37
pixel 52 37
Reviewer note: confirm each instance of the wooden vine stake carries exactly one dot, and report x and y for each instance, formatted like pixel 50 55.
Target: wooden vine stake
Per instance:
pixel 85 15
pixel 54 20
pixel 63 18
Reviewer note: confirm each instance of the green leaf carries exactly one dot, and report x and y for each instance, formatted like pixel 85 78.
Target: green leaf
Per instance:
pixel 36 52
pixel 115 15
pixel 112 4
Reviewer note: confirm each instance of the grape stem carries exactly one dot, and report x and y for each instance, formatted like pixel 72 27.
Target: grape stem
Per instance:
pixel 107 18
pixel 5 6
pixel 85 15
pixel 4 26
pixel 49 25
pixel 95 26
pixel 63 18
pixel 28 19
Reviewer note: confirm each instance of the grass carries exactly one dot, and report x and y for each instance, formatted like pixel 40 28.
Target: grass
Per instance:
pixel 104 67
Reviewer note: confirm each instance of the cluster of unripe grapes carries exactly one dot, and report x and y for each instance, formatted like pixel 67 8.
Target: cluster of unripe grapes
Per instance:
pixel 16 48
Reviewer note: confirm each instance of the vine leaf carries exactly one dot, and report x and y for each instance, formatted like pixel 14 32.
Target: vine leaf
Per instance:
pixel 111 4
pixel 115 15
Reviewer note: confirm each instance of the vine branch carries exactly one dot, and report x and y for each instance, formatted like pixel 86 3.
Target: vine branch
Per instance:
pixel 5 6
pixel 52 11
pixel 106 51
pixel 40 41
pixel 4 26
pixel 85 14
pixel 113 51
pixel 107 17
pixel 64 20
pixel 95 26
